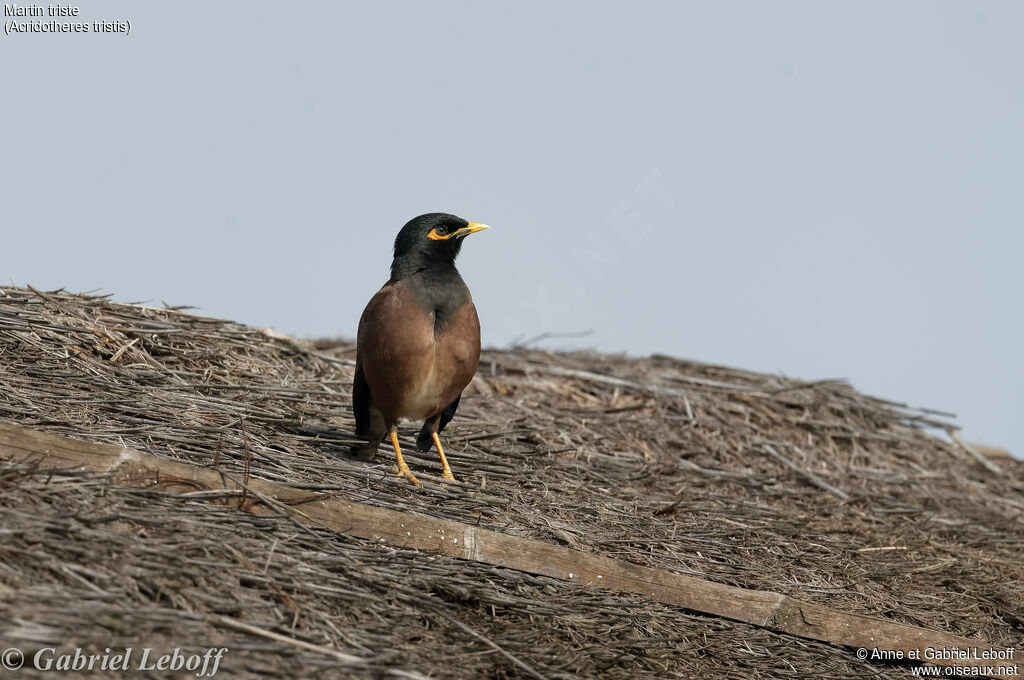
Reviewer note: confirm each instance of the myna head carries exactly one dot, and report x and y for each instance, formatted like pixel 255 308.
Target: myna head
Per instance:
pixel 430 241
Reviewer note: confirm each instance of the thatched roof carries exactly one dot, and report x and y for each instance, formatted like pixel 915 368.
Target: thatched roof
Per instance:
pixel 809 489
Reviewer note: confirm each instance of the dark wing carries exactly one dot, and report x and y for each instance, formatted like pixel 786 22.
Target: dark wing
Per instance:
pixel 361 402
pixel 448 413
pixel 365 426
pixel 424 441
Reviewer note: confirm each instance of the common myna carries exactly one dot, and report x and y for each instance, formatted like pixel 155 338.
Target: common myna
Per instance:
pixel 419 340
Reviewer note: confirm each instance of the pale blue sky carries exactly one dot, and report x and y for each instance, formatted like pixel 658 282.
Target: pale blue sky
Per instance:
pixel 818 189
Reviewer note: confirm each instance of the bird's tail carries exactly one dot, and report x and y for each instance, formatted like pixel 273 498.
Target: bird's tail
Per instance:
pixel 364 451
pixel 424 441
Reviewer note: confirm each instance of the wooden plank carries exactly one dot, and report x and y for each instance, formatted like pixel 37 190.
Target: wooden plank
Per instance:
pixel 462 541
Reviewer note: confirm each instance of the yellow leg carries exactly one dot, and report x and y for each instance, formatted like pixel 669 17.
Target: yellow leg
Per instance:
pixel 447 474
pixel 403 469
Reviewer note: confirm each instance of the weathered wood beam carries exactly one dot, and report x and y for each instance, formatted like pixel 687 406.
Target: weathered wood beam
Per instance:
pixel 765 609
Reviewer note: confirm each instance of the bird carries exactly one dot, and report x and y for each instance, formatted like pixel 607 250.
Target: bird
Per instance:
pixel 418 343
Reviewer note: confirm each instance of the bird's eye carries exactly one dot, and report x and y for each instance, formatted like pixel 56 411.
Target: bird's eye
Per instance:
pixel 441 231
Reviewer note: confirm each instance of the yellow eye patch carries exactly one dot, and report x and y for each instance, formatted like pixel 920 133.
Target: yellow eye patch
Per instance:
pixel 471 228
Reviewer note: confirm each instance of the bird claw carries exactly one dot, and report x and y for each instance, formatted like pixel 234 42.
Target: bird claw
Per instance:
pixel 407 473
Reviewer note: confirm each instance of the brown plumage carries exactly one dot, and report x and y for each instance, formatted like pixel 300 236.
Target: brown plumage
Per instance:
pixel 419 340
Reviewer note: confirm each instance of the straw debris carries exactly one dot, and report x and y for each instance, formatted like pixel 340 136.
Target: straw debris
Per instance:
pixel 810 489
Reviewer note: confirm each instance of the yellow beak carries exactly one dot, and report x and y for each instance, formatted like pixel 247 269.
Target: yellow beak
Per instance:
pixel 471 228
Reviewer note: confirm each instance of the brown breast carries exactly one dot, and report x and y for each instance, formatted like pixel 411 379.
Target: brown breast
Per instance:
pixel 414 367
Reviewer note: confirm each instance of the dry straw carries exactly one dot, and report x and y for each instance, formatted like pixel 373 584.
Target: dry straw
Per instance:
pixel 804 488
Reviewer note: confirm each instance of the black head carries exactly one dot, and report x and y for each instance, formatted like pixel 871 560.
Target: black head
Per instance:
pixel 429 241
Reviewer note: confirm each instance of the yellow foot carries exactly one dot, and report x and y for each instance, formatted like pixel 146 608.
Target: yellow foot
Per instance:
pixel 408 473
pixel 447 474
pixel 403 469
